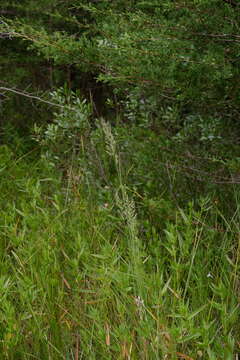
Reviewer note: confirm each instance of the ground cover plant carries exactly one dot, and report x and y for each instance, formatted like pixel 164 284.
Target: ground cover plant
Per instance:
pixel 119 164
pixel 83 276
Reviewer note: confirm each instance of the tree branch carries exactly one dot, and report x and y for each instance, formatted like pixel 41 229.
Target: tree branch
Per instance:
pixel 34 97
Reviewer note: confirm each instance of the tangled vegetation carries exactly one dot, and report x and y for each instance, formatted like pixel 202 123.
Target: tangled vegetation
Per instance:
pixel 119 163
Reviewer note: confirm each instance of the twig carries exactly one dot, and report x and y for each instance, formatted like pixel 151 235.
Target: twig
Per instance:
pixel 3 88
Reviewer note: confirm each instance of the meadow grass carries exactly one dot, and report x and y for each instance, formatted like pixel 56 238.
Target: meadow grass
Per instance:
pixel 81 279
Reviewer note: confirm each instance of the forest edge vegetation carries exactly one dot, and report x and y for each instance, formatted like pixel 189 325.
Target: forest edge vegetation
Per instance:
pixel 120 172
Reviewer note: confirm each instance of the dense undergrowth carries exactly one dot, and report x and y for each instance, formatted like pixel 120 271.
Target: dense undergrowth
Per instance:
pixel 99 259
pixel 119 180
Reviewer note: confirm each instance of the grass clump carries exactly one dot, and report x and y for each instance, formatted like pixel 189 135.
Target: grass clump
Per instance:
pixel 92 272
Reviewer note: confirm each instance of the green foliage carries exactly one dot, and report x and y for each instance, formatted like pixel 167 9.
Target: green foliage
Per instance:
pixel 71 125
pixel 81 278
pixel 165 53
pixel 119 162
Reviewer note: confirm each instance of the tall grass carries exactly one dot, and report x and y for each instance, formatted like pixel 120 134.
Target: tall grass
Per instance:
pixel 88 279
